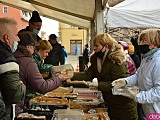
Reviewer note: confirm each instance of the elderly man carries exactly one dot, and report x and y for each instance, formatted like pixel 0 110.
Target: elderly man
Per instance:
pixel 35 24
pixel 12 89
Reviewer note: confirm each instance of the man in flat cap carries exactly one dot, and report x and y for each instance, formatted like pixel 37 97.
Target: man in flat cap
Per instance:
pixel 35 24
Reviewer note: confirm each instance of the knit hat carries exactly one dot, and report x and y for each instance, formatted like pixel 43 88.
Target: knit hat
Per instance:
pixel 131 49
pixel 27 38
pixel 35 17
pixel 53 37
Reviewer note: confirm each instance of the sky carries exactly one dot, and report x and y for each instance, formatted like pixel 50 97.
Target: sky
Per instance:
pixel 49 26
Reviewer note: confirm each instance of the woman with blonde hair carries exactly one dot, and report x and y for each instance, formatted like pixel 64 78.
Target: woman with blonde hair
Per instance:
pixel 41 52
pixel 107 64
pixel 147 76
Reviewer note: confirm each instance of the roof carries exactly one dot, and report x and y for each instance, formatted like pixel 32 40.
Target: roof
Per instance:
pixel 78 13
pixel 74 12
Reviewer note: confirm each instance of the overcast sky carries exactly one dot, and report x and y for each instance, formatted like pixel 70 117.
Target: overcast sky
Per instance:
pixel 49 26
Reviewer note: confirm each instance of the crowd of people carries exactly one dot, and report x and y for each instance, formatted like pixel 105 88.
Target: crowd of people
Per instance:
pixel 27 61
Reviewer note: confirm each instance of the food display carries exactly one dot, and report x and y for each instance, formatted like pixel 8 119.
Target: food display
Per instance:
pixel 26 116
pixel 67 103
pixel 69 114
pixel 66 69
pixel 61 95
pixel 46 100
pixel 88 97
pixel 77 84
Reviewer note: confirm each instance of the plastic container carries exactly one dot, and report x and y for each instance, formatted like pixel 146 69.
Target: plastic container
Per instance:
pixel 118 91
pixel 68 114
pixel 66 69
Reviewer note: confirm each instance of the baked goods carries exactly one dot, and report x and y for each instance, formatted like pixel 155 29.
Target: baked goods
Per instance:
pixel 47 100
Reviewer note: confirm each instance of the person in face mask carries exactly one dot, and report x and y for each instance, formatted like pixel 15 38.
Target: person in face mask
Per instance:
pixel 12 89
pixel 143 46
pixel 107 64
pixel 35 24
pixel 147 75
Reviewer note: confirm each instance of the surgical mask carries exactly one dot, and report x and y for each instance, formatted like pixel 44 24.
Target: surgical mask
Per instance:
pixel 14 47
pixel 144 49
pixel 36 31
pixel 100 54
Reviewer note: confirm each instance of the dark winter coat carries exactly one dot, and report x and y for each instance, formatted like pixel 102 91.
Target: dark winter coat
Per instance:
pixel 86 56
pixel 11 88
pixel 55 56
pixel 119 107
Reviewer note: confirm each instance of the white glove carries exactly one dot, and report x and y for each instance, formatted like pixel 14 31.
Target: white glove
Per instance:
pixel 129 93
pixel 119 83
pixel 93 84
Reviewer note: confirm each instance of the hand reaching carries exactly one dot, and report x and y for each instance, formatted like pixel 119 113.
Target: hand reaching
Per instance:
pixel 119 83
pixel 63 77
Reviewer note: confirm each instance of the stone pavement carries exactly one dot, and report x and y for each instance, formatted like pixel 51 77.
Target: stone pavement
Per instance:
pixel 73 60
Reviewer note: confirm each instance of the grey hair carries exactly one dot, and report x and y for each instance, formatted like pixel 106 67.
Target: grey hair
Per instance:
pixel 5 26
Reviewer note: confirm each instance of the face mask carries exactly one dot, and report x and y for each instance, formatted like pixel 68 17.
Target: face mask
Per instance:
pixel 36 31
pixel 100 54
pixel 14 47
pixel 144 49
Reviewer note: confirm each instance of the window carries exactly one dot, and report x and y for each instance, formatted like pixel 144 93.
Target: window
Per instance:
pixel 5 9
pixel 25 13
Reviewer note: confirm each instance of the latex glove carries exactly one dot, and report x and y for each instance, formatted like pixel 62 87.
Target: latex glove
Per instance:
pixel 119 83
pixel 129 93
pixel 93 84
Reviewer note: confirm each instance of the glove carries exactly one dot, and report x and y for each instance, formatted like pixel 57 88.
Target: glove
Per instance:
pixel 129 93
pixel 119 83
pixel 93 84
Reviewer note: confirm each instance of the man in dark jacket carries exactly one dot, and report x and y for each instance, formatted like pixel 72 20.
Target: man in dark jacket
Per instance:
pixel 11 88
pixel 35 24
pixel 55 56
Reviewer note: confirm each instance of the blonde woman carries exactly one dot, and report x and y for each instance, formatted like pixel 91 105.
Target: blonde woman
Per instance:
pixel 107 64
pixel 41 52
pixel 147 76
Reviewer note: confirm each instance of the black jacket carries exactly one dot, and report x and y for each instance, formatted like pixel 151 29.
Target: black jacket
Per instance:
pixel 11 89
pixel 55 56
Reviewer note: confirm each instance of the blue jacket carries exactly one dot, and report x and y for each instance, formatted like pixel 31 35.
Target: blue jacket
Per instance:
pixel 148 79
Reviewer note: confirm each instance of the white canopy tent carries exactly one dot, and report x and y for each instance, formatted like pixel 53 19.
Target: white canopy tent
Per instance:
pixel 133 14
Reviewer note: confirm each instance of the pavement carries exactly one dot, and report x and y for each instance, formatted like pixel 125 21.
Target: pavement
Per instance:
pixel 73 60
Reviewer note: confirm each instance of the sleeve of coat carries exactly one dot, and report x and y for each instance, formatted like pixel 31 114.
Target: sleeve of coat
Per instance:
pixel 36 82
pixel 12 89
pixel 116 71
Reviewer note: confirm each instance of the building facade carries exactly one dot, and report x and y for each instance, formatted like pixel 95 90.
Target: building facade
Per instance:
pixel 72 38
pixel 20 16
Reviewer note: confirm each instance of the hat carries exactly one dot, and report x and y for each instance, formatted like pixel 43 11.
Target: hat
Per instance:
pixel 27 38
pixel 131 49
pixel 35 17
pixel 52 36
pixel 124 44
